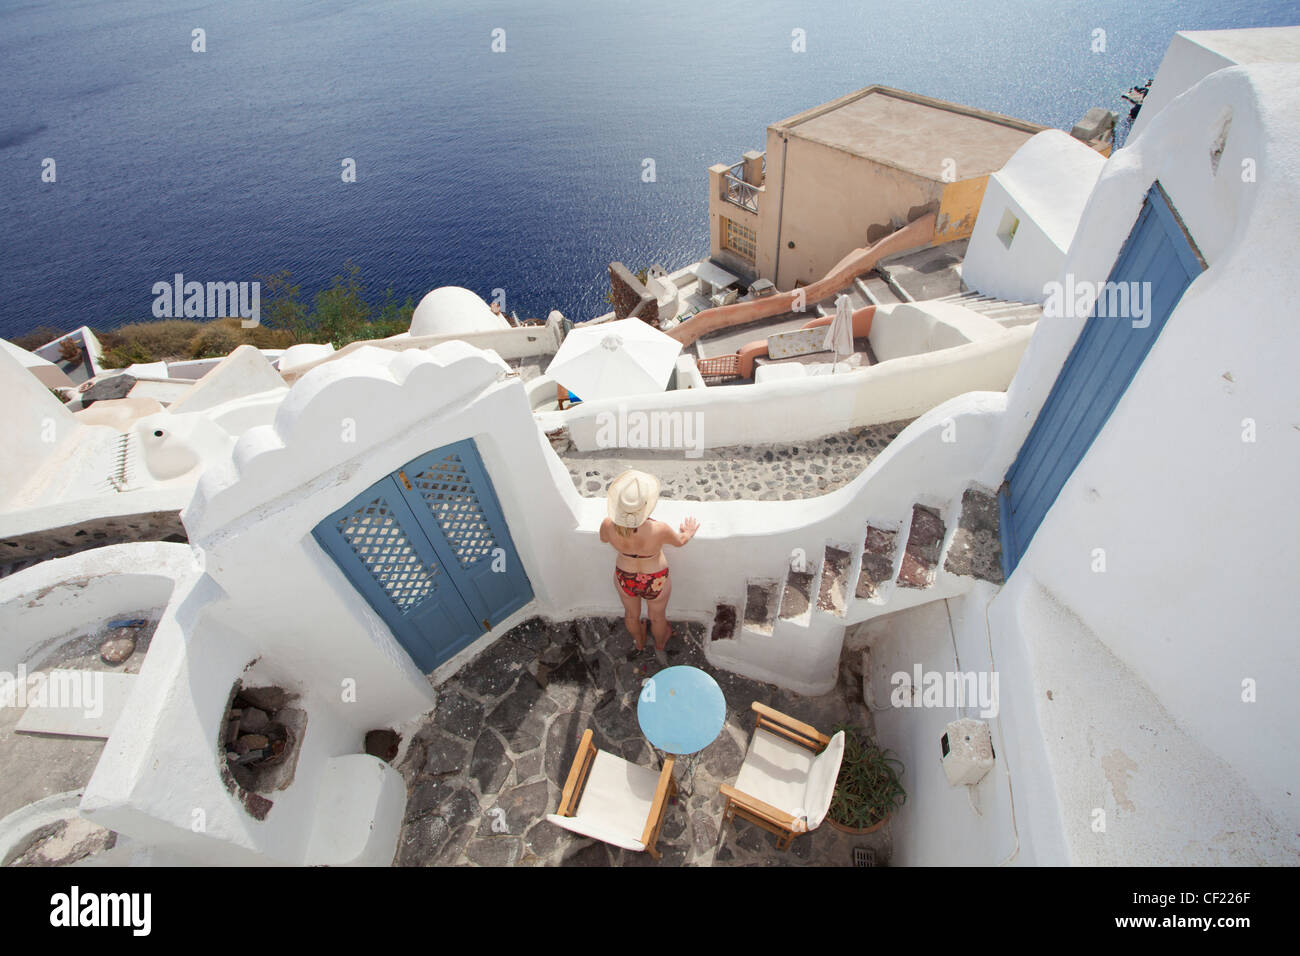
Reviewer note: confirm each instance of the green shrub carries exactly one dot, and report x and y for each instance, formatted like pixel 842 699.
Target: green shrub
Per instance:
pixel 163 340
pixel 339 314
pixel 125 353
pixel 867 789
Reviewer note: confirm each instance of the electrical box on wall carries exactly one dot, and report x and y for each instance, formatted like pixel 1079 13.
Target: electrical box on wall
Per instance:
pixel 967 751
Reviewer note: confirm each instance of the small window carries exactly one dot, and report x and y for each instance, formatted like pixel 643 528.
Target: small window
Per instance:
pixel 1007 230
pixel 738 238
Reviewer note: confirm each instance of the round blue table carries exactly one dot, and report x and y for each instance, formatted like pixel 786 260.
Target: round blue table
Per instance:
pixel 681 711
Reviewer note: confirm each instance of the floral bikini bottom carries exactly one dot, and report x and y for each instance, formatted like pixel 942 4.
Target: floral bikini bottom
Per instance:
pixel 642 585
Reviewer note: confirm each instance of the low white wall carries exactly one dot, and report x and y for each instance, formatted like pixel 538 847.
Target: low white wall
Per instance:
pixel 159 780
pixel 942 825
pixel 54 601
pixel 688 373
pixel 527 341
pixel 801 409
pixel 905 329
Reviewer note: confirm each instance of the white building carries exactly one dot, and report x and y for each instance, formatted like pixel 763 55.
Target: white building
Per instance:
pixel 1143 642
pixel 1029 215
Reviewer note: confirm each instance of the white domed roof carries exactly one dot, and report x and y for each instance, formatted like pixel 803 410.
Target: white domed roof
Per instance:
pixel 451 310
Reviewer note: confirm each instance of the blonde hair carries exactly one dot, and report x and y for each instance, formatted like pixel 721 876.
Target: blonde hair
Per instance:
pixel 625 531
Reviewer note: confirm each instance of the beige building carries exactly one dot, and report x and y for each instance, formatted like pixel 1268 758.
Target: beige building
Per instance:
pixel 844 174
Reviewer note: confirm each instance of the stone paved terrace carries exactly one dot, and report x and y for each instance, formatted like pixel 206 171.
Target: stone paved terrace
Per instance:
pixel 753 472
pixel 506 727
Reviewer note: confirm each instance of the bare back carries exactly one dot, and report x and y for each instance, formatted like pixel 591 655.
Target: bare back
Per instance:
pixel 641 551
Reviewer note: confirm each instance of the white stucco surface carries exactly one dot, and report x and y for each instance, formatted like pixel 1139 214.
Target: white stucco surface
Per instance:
pixel 1045 185
pixel 1196 602
pixel 1195 54
pixel 54 601
pixel 451 309
pixel 242 373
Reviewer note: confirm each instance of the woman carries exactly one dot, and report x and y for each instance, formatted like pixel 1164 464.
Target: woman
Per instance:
pixel 641 570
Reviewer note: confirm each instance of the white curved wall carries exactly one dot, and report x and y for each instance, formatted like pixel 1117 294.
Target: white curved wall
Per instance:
pixel 59 599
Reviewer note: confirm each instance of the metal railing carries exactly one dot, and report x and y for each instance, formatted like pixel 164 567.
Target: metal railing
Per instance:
pixel 737 191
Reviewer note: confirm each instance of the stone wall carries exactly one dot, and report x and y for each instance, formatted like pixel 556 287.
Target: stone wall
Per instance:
pixel 631 298
pixel 19 552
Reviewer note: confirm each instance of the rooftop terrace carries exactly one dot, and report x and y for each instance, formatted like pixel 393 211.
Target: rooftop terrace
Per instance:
pixel 912 132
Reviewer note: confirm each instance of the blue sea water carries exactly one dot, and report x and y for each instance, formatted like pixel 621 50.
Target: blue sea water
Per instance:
pixel 519 170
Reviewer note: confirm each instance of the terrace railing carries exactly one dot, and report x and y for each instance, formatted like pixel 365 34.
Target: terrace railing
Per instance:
pixel 737 191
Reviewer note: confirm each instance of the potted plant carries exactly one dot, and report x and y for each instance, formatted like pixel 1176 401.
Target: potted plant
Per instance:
pixel 868 789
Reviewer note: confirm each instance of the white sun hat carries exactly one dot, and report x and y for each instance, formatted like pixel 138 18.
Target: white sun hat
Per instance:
pixel 632 496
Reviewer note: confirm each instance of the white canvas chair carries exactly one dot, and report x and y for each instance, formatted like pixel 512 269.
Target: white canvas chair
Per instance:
pixel 788 778
pixel 609 799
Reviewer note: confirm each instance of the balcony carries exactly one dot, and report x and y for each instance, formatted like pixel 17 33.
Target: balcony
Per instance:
pixel 743 181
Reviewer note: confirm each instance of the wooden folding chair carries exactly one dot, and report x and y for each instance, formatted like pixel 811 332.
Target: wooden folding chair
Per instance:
pixel 609 799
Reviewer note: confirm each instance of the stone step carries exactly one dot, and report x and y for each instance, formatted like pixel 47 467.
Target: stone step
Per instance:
pixel 976 548
pixel 832 596
pixel 858 299
pixel 879 290
pixel 796 601
pixel 724 623
pixel 921 554
pixel 878 552
pixel 760 605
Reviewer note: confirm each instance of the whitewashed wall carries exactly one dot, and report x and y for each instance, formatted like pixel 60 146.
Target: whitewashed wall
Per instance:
pixel 801 409
pixel 1145 661
pixel 1045 185
pixel 1199 536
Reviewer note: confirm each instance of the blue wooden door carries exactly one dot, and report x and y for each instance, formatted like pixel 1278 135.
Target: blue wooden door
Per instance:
pixel 429 550
pixel 1105 357
pixel 449 491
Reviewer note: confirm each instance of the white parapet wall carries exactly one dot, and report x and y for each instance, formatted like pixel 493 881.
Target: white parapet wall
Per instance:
pixel 57 600
pixel 801 409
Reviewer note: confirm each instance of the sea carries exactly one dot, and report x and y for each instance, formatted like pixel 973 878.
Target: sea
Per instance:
pixel 514 145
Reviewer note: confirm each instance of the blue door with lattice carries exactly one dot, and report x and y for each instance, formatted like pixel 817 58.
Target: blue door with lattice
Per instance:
pixel 429 550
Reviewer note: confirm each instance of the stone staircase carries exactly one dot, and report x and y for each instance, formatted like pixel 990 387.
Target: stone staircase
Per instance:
pixel 930 554
pixel 1006 312
pixel 859 293
pixel 872 289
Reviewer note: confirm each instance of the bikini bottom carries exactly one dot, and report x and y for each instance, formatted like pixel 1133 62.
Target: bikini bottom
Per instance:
pixel 642 585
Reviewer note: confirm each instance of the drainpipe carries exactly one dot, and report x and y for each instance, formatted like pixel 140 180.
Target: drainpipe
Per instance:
pixel 780 214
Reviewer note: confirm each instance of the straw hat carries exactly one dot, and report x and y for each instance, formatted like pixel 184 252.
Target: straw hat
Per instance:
pixel 632 496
